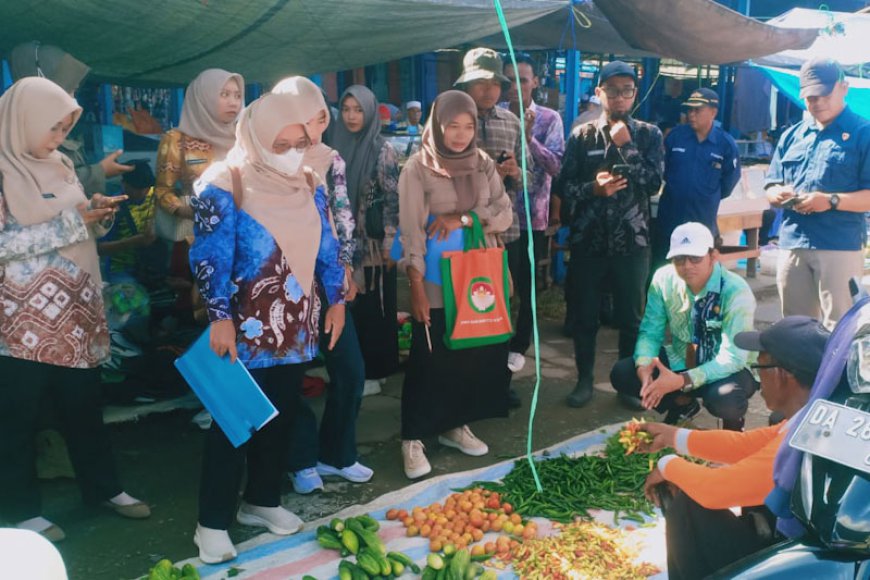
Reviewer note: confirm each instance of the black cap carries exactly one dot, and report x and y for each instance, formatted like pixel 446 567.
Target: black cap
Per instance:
pixel 615 69
pixel 796 342
pixel 702 98
pixel 141 176
pixel 819 76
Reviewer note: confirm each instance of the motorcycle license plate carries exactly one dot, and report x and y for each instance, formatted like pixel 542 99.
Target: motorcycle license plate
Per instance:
pixel 835 432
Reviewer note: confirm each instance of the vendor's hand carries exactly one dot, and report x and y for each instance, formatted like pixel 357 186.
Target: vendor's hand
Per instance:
pixel 654 479
pixel 222 339
pixel 352 288
pixel 606 184
pixel 442 226
pixel 111 167
pixel 667 382
pixel 530 123
pixel 778 194
pixel 100 201
pixel 184 212
pixel 93 216
pixel 645 375
pixel 334 323
pixel 620 134
pixel 663 437
pixel 813 202
pixel 509 168
pixel 420 302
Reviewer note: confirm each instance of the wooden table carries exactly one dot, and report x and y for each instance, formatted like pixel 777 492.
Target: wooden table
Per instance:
pixel 750 222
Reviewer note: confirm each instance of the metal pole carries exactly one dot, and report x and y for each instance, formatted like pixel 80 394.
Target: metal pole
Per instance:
pixel 572 87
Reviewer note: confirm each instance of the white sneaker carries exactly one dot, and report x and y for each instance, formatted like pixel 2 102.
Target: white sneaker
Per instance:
pixel 214 546
pixel 276 519
pixel 356 473
pixel 371 387
pixel 516 362
pixel 414 455
pixel 463 439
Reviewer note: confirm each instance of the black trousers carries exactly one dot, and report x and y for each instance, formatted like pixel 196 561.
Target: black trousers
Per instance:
pixel 727 398
pixel 701 541
pixel 374 314
pixel 628 275
pixel 521 272
pixel 75 393
pixel 265 453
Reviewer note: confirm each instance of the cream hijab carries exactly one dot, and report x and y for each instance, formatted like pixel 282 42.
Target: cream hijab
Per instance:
pixel 281 203
pixel 37 190
pixel 199 113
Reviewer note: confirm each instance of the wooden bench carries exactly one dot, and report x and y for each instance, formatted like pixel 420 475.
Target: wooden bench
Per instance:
pixel 750 222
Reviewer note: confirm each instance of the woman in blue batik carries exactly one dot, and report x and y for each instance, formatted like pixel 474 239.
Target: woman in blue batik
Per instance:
pixel 265 250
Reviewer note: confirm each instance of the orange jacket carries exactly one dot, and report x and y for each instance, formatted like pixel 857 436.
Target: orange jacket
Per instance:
pixel 744 480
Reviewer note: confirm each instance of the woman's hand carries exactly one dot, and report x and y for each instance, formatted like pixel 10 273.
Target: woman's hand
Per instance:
pixel 419 300
pixel 352 288
pixel 222 339
pixel 443 225
pixel 92 216
pixel 334 323
pixel 100 201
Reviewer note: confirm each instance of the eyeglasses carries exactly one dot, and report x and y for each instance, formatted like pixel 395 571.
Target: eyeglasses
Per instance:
pixel 624 93
pixel 680 260
pixel 762 366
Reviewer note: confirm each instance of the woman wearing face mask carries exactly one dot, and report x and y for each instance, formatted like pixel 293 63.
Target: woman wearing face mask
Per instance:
pixel 53 334
pixel 263 250
pixel 372 186
pixel 204 135
pixel 445 389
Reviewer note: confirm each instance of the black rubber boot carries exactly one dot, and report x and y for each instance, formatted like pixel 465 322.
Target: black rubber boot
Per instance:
pixel 581 394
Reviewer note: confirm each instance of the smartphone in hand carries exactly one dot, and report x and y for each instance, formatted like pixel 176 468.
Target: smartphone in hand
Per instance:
pixel 502 157
pixel 620 170
pixel 791 202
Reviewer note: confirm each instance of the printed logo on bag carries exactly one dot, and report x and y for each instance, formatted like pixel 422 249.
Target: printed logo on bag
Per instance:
pixel 481 294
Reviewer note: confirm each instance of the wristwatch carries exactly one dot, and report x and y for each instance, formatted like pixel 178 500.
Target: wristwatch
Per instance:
pixel 688 384
pixel 834 199
pixel 465 220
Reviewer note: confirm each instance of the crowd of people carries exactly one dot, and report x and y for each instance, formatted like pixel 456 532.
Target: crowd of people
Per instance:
pixel 284 224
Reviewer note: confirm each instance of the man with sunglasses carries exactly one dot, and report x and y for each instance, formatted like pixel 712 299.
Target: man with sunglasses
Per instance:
pixel 703 306
pixel 611 167
pixel 703 534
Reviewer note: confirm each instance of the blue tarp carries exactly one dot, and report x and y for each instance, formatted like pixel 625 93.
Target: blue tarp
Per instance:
pixel 788 82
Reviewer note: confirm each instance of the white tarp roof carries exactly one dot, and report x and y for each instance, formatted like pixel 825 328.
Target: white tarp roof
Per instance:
pixel 843 36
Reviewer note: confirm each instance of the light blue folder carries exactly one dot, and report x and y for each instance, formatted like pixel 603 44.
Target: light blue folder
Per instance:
pixel 434 249
pixel 228 391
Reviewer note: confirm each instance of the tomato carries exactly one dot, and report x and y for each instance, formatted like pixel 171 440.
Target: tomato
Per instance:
pixel 392 514
pixel 508 508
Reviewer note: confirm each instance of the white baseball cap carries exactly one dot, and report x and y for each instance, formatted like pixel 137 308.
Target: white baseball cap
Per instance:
pixel 691 239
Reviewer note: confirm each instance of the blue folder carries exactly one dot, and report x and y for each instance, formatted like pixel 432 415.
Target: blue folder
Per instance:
pixel 228 391
pixel 434 249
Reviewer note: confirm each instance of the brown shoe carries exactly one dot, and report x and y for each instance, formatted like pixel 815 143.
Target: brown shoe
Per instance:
pixel 134 511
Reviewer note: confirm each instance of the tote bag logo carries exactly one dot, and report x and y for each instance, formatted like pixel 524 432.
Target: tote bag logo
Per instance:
pixel 481 294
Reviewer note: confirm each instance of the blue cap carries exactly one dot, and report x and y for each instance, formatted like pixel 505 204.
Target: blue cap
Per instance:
pixel 796 342
pixel 615 69
pixel 702 98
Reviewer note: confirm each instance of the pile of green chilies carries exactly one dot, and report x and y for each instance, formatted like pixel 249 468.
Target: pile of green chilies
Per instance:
pixel 574 485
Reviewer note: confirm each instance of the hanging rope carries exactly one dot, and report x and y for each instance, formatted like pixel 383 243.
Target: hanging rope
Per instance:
pixel 531 251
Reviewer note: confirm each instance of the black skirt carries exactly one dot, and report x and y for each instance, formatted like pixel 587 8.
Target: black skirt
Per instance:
pixel 447 388
pixel 374 314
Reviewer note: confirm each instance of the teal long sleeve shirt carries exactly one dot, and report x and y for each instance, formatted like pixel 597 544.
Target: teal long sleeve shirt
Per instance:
pixel 670 306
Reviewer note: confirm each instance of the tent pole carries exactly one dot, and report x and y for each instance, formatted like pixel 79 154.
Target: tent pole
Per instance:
pixel 107 104
pixel 572 88
pixel 650 72
pixel 7 77
pixel 176 100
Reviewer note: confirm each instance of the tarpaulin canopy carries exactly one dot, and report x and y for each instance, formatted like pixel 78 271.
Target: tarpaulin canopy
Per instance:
pixel 170 41
pixel 788 81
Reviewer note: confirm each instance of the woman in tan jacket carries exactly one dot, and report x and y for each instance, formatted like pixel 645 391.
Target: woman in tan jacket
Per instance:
pixel 444 390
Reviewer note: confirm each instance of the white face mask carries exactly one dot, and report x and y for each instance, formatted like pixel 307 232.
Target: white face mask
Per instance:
pixel 288 162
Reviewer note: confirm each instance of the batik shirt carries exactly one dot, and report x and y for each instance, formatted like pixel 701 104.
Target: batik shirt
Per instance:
pixel 617 225
pixel 52 310
pixel 385 181
pixel 671 306
pixel 243 276
pixel 342 215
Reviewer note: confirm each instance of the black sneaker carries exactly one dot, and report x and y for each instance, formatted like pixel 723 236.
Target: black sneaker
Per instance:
pixel 682 413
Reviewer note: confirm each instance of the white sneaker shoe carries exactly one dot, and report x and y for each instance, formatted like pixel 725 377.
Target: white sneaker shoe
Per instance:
pixel 463 439
pixel 356 473
pixel 214 546
pixel 371 387
pixel 276 519
pixel 414 455
pixel 516 362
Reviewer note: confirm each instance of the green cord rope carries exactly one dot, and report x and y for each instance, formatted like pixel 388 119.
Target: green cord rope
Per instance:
pixel 530 248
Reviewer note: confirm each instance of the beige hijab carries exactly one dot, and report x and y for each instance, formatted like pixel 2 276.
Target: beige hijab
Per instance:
pixel 33 59
pixel 281 203
pixel 462 168
pixel 37 190
pixel 199 112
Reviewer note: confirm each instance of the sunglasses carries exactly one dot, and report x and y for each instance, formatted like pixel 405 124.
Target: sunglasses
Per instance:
pixel 680 260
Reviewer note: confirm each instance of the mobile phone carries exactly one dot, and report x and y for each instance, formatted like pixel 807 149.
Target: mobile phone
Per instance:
pixel 502 157
pixel 620 170
pixel 791 202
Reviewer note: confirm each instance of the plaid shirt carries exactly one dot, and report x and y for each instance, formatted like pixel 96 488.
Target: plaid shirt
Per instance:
pixel 499 130
pixel 617 225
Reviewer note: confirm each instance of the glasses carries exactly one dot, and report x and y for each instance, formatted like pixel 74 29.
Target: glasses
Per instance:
pixel 624 93
pixel 762 366
pixel 680 260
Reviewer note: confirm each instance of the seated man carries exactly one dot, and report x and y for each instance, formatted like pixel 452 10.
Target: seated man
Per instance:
pixel 703 535
pixel 703 305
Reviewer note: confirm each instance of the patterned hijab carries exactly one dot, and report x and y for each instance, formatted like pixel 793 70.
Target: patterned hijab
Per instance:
pixel 199 114
pixel 359 150
pixel 33 59
pixel 37 190
pixel 281 203
pixel 462 168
